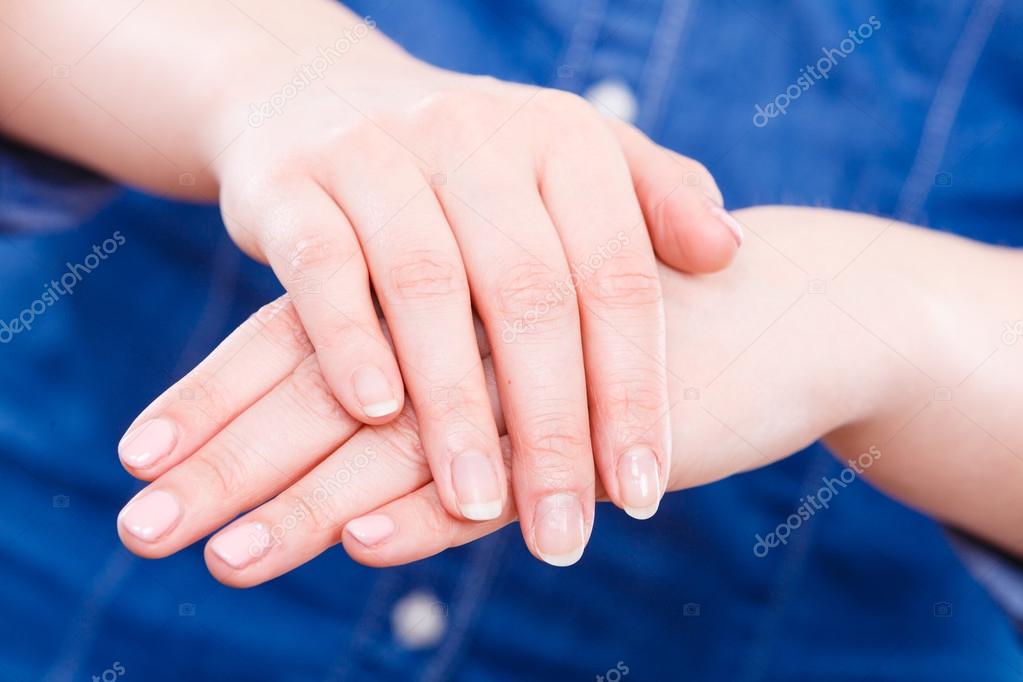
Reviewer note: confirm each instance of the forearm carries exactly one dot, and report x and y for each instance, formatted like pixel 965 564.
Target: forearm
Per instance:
pixel 141 93
pixel 850 327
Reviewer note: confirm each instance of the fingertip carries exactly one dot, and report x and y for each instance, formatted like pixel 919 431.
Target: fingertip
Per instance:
pixel 145 445
pixel 378 400
pixel 223 573
pixel 696 235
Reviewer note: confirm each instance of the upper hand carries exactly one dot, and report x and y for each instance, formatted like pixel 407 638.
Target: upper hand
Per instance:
pixel 448 193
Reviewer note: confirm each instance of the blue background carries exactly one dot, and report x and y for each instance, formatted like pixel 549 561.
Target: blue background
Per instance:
pixel 923 122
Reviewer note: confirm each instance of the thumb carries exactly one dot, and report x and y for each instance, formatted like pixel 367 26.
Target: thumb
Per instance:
pixel 689 228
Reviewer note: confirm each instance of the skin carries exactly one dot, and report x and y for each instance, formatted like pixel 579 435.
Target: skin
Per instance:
pixel 876 336
pixel 442 194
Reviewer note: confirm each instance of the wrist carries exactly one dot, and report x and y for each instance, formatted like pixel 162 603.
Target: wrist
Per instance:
pixel 275 93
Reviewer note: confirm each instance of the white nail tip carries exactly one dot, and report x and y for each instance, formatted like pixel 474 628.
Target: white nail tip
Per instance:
pixel 374 410
pixel 642 513
pixel 481 511
pixel 562 560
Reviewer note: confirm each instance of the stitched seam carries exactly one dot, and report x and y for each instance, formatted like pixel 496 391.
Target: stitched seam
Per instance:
pixel 945 107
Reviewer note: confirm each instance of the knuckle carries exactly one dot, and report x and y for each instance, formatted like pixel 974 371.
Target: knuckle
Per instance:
pixel 530 293
pixel 573 123
pixel 551 101
pixel 427 275
pixel 225 464
pixel 259 190
pixel 202 396
pixel 278 321
pixel 433 518
pixel 636 401
pixel 623 282
pixel 309 389
pixel 363 140
pixel 313 506
pixel 311 252
pixel 552 444
pixel 458 408
pixel 400 438
pixel 337 331
pixel 459 110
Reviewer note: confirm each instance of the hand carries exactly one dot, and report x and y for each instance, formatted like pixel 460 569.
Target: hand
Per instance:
pixel 282 442
pixel 449 193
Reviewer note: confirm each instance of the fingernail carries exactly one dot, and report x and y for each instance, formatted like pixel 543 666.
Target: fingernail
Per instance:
pixel 725 218
pixel 148 442
pixel 558 529
pixel 371 530
pixel 241 545
pixel 374 392
pixel 151 515
pixel 476 486
pixel 639 482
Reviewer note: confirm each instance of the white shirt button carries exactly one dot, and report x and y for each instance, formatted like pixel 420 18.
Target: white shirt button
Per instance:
pixel 419 620
pixel 613 97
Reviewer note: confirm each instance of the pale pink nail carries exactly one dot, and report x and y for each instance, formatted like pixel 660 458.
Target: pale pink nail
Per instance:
pixel 148 442
pixel 241 545
pixel 150 515
pixel 725 218
pixel 374 392
pixel 639 482
pixel 558 529
pixel 476 486
pixel 371 530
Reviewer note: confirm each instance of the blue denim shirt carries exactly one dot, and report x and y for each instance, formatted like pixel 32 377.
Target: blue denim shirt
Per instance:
pixel 922 120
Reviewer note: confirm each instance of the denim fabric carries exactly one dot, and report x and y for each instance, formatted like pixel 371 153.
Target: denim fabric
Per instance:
pixel 923 121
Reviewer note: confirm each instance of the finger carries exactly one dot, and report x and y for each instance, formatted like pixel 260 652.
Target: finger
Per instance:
pixel 689 227
pixel 377 465
pixel 260 453
pixel 585 185
pixel 313 250
pixel 418 275
pixel 523 293
pixel 254 358
pixel 415 526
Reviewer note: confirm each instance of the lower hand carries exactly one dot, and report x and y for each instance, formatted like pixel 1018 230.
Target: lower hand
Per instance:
pixel 316 477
